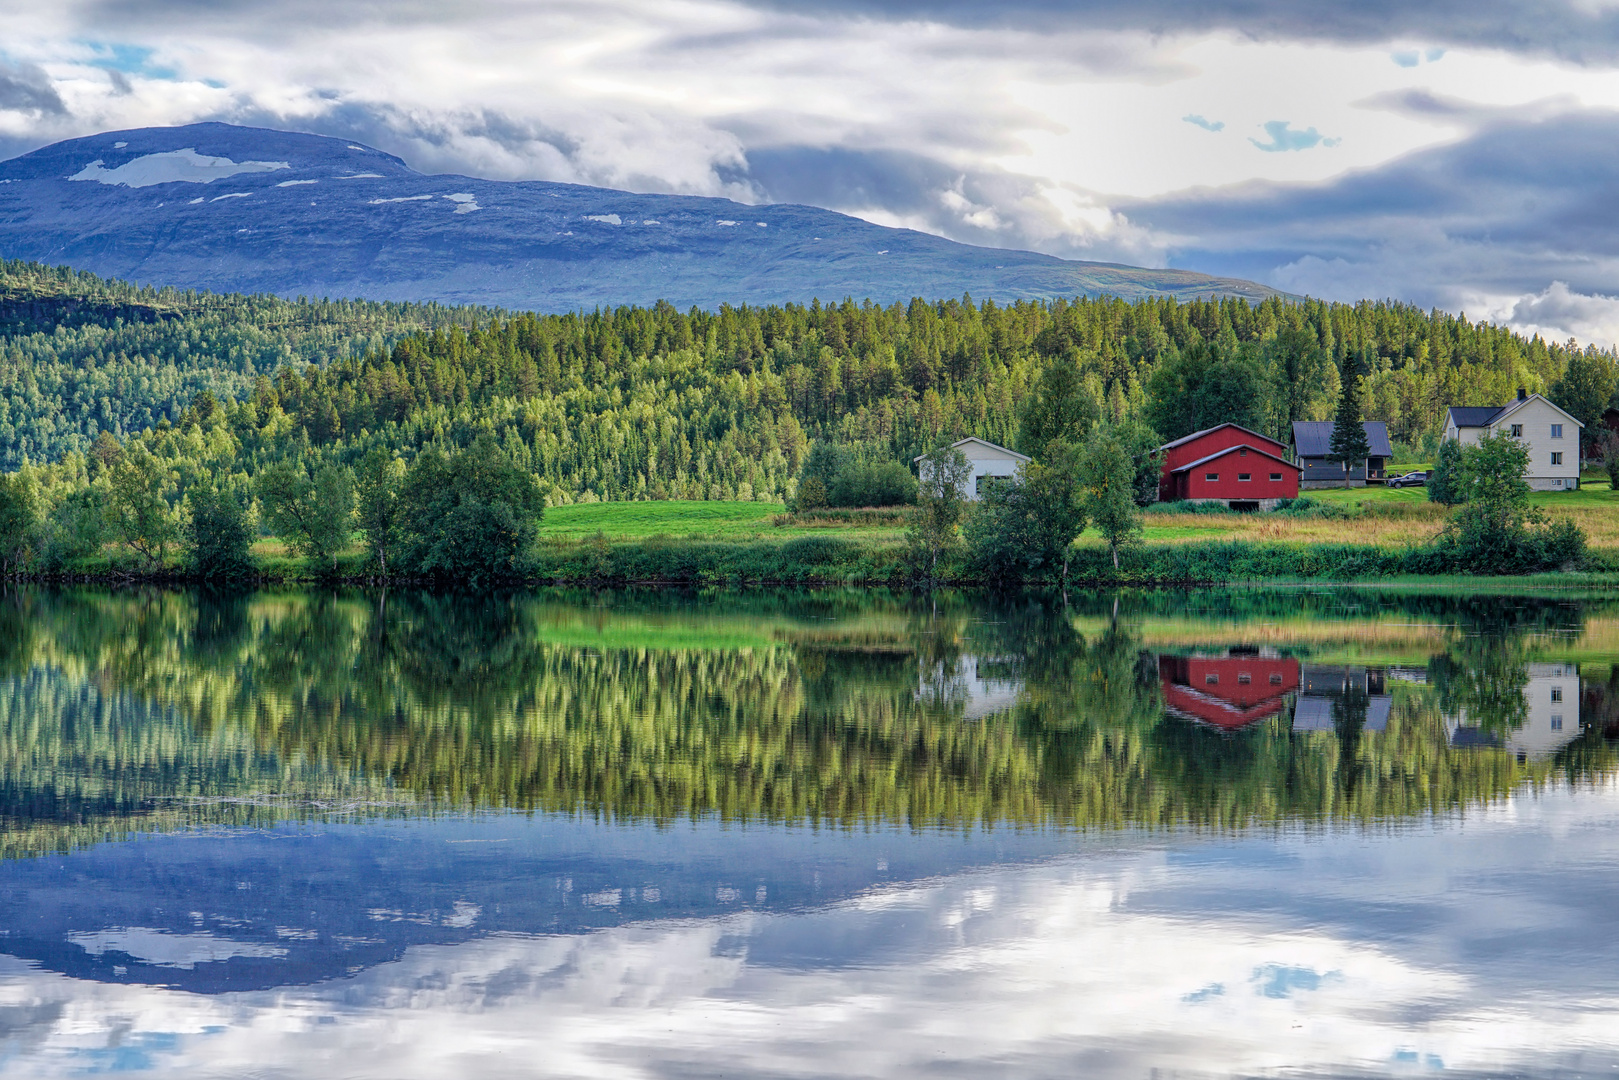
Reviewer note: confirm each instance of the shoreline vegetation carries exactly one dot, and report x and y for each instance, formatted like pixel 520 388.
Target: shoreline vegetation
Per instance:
pixel 739 545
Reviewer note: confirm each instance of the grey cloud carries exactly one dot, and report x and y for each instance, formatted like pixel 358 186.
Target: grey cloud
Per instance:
pixel 1505 212
pixel 1569 30
pixel 26 88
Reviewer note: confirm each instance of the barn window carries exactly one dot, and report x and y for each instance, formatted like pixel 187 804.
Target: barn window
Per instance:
pixel 1276 478
pixel 1276 678
pixel 1212 679
pixel 1245 476
pixel 1557 457
pixel 1243 678
pixel 1243 452
pixel 1211 477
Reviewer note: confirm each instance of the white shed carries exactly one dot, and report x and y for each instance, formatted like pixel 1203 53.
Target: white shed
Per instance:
pixel 987 460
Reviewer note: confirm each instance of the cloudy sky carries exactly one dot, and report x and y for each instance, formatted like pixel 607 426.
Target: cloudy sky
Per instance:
pixel 1458 154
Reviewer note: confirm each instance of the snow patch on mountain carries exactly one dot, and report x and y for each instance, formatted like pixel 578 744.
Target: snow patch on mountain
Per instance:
pixel 606 219
pixel 402 198
pixel 465 203
pixel 173 166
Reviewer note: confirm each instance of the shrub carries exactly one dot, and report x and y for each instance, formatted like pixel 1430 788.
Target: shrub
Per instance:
pixel 219 533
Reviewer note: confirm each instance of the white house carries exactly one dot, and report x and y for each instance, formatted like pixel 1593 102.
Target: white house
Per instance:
pixel 987 461
pixel 1551 435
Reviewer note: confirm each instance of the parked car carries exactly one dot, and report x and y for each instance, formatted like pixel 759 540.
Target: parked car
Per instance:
pixel 1410 479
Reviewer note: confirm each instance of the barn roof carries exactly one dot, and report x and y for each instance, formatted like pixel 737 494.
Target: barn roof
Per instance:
pixel 1313 438
pixel 1184 439
pixel 1228 451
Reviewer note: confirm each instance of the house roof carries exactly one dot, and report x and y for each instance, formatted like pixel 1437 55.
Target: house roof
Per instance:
pixel 1313 438
pixel 1232 450
pixel 1184 439
pixel 1485 416
pixel 1473 415
pixel 981 442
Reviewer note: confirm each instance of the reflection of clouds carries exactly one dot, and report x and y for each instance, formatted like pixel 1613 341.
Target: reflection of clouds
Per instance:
pixel 1476 944
pixel 161 948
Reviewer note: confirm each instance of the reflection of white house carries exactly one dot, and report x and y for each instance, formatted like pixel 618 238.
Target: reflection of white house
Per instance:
pixel 988 462
pixel 1551 720
pixel 1320 686
pixel 1551 435
pixel 981 685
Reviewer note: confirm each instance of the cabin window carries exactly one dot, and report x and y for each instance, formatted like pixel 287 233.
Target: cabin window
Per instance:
pixel 1276 678
pixel 1245 476
pixel 1557 693
pixel 1276 478
pixel 1212 679
pixel 1557 722
pixel 1557 457
pixel 1557 431
pixel 1243 678
pixel 1211 477
pixel 1517 431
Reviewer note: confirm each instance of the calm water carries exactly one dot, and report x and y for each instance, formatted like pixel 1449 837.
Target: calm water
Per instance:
pixel 803 835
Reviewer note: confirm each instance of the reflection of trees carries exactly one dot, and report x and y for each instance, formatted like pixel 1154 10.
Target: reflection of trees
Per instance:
pixel 1482 679
pixel 655 710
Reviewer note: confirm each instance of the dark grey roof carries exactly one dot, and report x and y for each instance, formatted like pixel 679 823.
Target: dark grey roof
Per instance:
pixel 1474 415
pixel 1313 438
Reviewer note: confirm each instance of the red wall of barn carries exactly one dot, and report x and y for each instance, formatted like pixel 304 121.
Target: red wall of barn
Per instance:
pixel 1228 486
pixel 1212 443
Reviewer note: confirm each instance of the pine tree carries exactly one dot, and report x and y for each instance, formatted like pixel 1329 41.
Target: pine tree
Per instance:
pixel 1349 442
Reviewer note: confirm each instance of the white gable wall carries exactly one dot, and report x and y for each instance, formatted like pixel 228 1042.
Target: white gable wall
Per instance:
pixel 987 461
pixel 1536 417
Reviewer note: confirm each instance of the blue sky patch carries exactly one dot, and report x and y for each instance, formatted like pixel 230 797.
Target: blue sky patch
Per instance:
pixel 1209 992
pixel 1206 125
pixel 1283 137
pixel 1276 981
pixel 1406 58
pixel 130 60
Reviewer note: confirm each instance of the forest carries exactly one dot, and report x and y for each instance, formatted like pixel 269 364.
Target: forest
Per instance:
pixel 655 403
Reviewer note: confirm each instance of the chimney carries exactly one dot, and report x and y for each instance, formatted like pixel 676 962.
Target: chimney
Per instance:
pixel 1523 395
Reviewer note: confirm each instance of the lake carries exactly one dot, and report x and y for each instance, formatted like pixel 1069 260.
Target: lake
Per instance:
pixel 848 833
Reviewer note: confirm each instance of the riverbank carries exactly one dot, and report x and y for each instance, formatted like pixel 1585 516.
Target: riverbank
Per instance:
pixel 733 544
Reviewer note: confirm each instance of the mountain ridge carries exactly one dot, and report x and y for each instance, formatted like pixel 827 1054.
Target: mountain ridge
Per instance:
pixel 225 208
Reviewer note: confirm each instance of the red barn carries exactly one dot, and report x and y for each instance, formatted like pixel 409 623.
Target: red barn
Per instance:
pixel 1229 464
pixel 1231 691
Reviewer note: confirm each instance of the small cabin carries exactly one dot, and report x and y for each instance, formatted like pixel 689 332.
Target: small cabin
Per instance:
pixel 1228 464
pixel 1312 445
pixel 990 463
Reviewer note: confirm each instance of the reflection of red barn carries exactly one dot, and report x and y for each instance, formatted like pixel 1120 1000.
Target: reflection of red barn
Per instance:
pixel 1228 691
pixel 1228 464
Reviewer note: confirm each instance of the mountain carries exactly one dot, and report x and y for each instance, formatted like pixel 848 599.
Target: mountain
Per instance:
pixel 227 208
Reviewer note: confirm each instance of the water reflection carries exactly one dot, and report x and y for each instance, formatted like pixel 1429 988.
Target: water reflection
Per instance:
pixel 841 832
pixel 123 711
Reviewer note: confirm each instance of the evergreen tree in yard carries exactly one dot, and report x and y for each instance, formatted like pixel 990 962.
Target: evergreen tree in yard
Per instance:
pixel 1349 442
pixel 1060 411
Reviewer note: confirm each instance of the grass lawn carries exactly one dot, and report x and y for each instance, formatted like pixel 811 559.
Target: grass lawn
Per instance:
pixel 692 520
